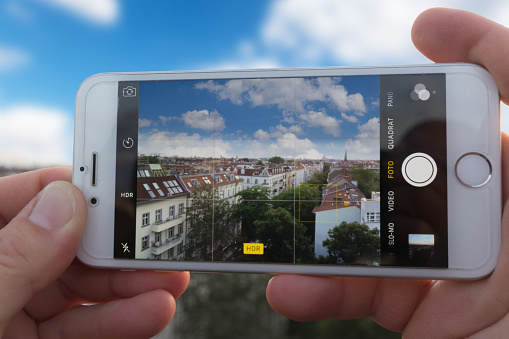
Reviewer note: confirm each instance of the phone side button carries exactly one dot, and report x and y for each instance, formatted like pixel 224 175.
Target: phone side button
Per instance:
pixel 127 270
pixel 473 169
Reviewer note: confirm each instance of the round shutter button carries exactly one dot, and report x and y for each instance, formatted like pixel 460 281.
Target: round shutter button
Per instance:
pixel 473 169
pixel 419 169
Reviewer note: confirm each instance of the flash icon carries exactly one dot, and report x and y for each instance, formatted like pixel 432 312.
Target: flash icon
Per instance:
pixel 125 247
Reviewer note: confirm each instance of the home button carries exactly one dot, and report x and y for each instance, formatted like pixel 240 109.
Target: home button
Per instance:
pixel 473 169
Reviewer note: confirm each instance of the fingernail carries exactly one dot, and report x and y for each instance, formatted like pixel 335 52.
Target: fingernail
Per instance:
pixel 55 206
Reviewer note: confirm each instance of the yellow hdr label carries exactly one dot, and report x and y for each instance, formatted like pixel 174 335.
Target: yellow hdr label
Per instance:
pixel 253 248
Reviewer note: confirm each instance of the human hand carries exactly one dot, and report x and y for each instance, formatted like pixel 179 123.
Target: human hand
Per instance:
pixel 423 309
pixel 42 286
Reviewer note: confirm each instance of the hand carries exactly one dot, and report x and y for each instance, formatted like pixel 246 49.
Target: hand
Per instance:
pixel 42 286
pixel 423 309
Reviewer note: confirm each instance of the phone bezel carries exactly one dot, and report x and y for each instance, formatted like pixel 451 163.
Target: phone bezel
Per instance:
pixel 96 114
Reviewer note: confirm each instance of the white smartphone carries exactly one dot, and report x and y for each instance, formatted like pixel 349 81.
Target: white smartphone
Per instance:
pixel 361 171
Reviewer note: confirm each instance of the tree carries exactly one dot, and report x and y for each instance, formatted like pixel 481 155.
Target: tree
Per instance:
pixel 212 229
pixel 259 163
pixel 353 243
pixel 300 201
pixel 369 180
pixel 253 203
pixel 280 232
pixel 276 160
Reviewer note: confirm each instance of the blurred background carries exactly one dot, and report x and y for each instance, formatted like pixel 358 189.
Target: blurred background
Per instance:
pixel 48 47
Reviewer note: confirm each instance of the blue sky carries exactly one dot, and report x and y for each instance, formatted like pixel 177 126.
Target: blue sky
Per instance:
pixel 259 118
pixel 48 47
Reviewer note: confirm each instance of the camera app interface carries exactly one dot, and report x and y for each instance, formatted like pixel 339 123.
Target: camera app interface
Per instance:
pixel 314 170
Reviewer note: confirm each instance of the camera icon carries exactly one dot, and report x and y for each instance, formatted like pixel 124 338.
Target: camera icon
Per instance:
pixel 129 91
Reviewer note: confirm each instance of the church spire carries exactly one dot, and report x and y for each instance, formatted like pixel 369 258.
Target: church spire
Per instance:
pixel 346 158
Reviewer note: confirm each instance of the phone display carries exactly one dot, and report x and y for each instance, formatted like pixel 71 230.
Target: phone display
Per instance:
pixel 316 170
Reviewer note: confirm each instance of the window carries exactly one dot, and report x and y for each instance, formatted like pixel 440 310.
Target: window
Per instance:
pixel 373 216
pixel 157 237
pixel 159 215
pixel 171 232
pixel 181 208
pixel 189 184
pixel 256 181
pixel 144 242
pixel 180 248
pixel 170 253
pixel 172 212
pixel 181 228
pixel 145 219
pixel 155 185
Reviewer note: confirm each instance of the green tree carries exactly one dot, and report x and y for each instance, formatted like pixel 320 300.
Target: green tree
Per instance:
pixel 369 180
pixel 279 232
pixel 353 243
pixel 213 231
pixel 300 201
pixel 260 163
pixel 276 160
pixel 253 203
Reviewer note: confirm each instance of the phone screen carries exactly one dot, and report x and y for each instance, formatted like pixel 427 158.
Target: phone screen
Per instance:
pixel 345 170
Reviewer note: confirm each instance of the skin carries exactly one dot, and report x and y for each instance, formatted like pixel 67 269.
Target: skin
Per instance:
pixel 43 286
pixel 419 308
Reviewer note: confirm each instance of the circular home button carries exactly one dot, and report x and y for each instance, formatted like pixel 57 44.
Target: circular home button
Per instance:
pixel 473 169
pixel 419 169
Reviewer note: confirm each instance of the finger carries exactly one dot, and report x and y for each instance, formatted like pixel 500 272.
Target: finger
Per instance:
pixel 18 190
pixel 142 316
pixel 391 302
pixel 81 283
pixel 38 245
pixel 448 35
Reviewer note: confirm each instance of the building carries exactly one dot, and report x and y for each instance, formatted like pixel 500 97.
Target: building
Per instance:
pixel 343 201
pixel 161 226
pixel 226 184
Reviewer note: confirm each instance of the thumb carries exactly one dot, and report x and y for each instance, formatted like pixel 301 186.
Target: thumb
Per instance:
pixel 38 245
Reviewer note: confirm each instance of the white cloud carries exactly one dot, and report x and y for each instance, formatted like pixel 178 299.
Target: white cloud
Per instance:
pixel 144 123
pixel 286 146
pixel 367 143
pixel 262 135
pixel 352 32
pixel 205 120
pixel 98 11
pixel 349 118
pixel 11 58
pixel 329 125
pixel 35 136
pixel 290 94
pixel 183 144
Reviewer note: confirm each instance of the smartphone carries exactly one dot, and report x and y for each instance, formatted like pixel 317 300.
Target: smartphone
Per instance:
pixel 361 171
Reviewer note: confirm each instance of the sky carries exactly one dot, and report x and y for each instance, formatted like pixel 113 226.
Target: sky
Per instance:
pixel 294 118
pixel 48 47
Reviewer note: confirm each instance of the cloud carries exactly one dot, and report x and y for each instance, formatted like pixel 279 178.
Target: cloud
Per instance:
pixel 367 143
pixel 183 145
pixel 352 32
pixel 286 146
pixel 11 58
pixel 349 118
pixel 262 135
pixel 329 125
pixel 35 136
pixel 205 120
pixel 104 12
pixel 288 94
pixel 144 123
